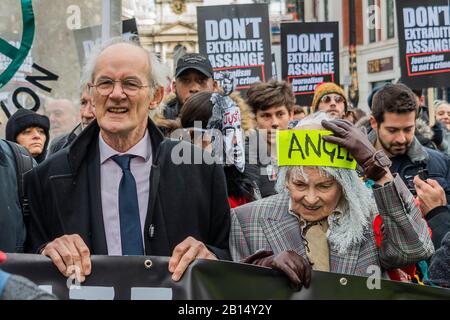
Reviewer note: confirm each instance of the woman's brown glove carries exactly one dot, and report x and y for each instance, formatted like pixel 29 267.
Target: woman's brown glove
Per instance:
pixel 373 162
pixel 294 266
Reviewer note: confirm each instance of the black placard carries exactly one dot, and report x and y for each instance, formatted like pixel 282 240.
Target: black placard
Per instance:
pixel 236 39
pixel 424 42
pixel 309 57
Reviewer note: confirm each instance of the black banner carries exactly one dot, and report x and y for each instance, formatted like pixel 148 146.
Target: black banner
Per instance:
pixel 147 278
pixel 309 57
pixel 424 38
pixel 87 38
pixel 236 39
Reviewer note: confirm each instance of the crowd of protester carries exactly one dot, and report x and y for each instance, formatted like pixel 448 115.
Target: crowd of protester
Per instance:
pixel 109 183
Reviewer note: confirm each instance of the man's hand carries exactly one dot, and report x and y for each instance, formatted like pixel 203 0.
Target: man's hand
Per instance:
pixel 186 252
pixel 430 194
pixel 69 252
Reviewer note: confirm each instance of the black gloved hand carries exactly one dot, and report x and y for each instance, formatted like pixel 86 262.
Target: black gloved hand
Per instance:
pixel 438 133
pixel 294 266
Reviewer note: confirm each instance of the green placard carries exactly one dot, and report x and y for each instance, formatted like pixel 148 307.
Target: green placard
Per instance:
pixel 307 148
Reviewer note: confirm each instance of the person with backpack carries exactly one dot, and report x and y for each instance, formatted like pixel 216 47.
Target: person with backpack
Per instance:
pixel 14 161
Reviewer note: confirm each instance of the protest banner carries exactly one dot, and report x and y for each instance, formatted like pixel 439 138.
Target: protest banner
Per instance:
pixel 424 42
pixel 148 278
pixel 309 57
pixel 236 39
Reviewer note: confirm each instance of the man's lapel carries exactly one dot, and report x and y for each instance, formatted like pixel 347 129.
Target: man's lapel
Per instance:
pixel 97 232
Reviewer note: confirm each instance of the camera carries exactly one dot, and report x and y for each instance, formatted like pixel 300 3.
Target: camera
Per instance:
pixel 410 173
pixel 423 174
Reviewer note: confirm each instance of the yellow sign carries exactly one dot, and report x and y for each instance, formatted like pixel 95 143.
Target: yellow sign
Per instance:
pixel 307 148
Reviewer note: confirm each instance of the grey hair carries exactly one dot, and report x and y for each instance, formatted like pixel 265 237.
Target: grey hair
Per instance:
pixel 438 103
pixel 159 73
pixel 314 119
pixel 357 202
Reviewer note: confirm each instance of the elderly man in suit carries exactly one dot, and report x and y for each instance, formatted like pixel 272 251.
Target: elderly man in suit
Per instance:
pixel 115 190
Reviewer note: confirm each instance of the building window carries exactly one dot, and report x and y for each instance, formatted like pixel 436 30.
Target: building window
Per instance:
pixel 390 19
pixel 372 29
pixel 297 9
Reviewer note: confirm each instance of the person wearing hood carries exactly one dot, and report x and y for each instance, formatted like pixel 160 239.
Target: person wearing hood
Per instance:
pixel 30 130
pixel 316 221
pixel 330 98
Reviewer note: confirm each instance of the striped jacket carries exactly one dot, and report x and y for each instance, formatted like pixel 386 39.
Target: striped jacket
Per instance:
pixel 267 225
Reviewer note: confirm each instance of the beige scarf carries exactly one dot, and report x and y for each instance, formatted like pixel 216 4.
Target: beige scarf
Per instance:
pixel 316 245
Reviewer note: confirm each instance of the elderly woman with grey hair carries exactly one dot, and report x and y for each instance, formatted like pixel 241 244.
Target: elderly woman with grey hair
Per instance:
pixel 322 217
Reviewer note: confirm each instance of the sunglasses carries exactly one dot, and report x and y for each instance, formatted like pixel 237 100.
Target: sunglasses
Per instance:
pixel 327 98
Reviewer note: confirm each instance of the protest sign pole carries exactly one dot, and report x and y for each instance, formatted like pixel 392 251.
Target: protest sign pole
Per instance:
pixel 106 20
pixel 111 19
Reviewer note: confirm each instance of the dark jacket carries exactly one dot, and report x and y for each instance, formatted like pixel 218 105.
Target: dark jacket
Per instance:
pixel 12 229
pixel 438 220
pixel 440 262
pixel 185 200
pixel 64 140
pixel 172 109
pixel 419 157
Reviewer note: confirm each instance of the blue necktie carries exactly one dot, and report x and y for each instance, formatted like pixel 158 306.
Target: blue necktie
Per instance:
pixel 130 223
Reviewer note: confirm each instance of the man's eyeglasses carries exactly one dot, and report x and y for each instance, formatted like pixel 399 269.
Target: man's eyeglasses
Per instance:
pixel 327 98
pixel 106 86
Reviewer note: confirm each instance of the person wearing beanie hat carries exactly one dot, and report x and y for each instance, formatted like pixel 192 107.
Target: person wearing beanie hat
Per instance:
pixel 330 98
pixel 30 130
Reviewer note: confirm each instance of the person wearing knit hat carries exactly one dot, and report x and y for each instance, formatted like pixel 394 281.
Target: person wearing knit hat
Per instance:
pixel 30 130
pixel 330 98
